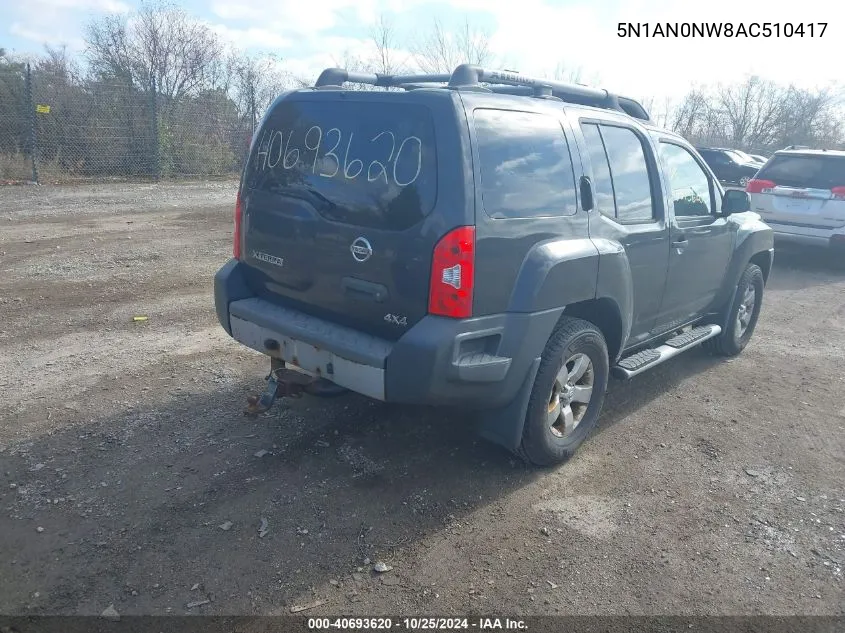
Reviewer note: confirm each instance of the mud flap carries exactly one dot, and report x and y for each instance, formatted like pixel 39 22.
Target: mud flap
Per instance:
pixel 504 426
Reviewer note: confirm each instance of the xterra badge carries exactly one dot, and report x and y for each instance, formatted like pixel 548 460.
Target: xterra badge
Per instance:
pixel 270 259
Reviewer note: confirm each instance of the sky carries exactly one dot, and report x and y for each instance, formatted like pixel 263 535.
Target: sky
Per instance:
pixel 531 36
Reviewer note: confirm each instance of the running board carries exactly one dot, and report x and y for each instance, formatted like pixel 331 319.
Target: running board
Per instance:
pixel 637 363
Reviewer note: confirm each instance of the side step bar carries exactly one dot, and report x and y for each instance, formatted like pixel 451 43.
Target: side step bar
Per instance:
pixel 637 363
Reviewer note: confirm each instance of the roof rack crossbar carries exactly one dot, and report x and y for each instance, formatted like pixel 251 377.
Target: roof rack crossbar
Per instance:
pixel 468 76
pixel 332 77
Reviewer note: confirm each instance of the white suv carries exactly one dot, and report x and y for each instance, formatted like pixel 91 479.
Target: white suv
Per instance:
pixel 801 195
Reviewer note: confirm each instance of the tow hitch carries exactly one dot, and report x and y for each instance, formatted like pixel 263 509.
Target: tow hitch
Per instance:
pixel 289 383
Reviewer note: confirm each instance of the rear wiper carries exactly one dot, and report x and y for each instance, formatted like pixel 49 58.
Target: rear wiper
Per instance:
pixel 304 193
pixel 321 197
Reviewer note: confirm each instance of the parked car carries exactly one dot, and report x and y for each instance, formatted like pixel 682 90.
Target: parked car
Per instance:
pixel 488 248
pixel 730 168
pixel 747 158
pixel 801 195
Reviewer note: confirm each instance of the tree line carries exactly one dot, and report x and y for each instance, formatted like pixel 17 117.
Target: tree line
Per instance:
pixel 158 92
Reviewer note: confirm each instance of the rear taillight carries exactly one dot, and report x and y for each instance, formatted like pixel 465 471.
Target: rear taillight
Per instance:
pixel 236 240
pixel 838 193
pixel 759 186
pixel 452 274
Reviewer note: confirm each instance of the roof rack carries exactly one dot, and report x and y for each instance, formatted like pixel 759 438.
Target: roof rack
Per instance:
pixel 476 78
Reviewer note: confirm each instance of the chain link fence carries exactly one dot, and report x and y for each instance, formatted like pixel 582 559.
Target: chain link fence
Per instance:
pixel 58 129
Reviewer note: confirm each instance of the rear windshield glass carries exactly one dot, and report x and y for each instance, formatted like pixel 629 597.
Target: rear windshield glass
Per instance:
pixel 363 163
pixel 807 171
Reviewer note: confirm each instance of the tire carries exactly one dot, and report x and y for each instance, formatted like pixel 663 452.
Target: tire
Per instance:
pixel 742 318
pixel 573 341
pixel 743 181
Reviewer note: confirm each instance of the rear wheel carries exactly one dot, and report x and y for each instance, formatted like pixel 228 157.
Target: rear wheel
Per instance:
pixel 568 393
pixel 743 315
pixel 743 181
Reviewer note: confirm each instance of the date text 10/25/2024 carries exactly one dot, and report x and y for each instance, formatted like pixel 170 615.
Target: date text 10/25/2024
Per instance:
pixel 417 624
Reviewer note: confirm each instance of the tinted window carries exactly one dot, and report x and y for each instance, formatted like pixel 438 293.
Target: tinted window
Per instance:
pixel 629 170
pixel 526 170
pixel 602 184
pixel 689 185
pixel 363 163
pixel 810 171
pixel 714 158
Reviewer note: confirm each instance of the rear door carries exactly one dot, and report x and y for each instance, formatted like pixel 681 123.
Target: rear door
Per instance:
pixel 801 190
pixel 339 200
pixel 626 182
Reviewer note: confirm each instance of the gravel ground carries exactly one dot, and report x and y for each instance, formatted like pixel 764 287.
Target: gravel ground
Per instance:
pixel 129 477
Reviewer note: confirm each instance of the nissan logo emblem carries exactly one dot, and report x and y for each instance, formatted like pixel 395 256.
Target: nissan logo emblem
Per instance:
pixel 361 249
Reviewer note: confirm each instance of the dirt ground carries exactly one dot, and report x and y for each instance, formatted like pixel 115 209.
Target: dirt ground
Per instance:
pixel 129 476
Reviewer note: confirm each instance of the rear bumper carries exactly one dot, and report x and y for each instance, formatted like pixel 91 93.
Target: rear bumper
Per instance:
pixel 807 235
pixel 478 363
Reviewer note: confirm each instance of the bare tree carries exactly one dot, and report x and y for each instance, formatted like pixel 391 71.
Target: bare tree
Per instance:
pixel 660 112
pixel 688 116
pixel 440 50
pixel 256 82
pixel 574 74
pixel 163 42
pixel 386 42
pixel 750 111
pixel 760 116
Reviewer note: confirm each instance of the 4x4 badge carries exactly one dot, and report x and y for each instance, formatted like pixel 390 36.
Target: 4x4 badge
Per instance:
pixel 361 249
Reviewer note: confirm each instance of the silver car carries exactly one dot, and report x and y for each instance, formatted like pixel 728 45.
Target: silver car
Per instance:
pixel 801 195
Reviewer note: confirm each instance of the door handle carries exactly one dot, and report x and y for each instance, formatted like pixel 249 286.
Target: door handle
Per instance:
pixel 680 242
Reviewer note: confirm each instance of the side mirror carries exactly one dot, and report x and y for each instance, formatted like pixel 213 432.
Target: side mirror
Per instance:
pixel 586 194
pixel 735 201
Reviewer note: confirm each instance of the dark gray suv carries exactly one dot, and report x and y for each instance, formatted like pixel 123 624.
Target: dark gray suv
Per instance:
pixel 483 240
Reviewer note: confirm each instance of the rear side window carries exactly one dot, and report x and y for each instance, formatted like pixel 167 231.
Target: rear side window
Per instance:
pixel 369 164
pixel 715 158
pixel 602 181
pixel 806 171
pixel 526 168
pixel 620 170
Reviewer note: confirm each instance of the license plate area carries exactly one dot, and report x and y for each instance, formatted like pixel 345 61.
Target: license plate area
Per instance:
pixel 309 359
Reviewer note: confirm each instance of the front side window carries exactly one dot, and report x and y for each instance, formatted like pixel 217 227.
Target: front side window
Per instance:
pixel 689 184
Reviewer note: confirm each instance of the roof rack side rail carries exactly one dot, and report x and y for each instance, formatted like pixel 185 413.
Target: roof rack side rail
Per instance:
pixel 469 76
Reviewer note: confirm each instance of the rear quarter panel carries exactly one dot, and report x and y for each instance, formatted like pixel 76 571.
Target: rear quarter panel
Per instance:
pixel 529 264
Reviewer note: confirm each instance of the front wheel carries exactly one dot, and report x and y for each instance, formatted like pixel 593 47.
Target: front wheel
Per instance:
pixel 743 181
pixel 743 315
pixel 568 393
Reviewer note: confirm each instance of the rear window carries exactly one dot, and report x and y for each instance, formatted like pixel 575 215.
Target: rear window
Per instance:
pixel 526 169
pixel 806 171
pixel 364 163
